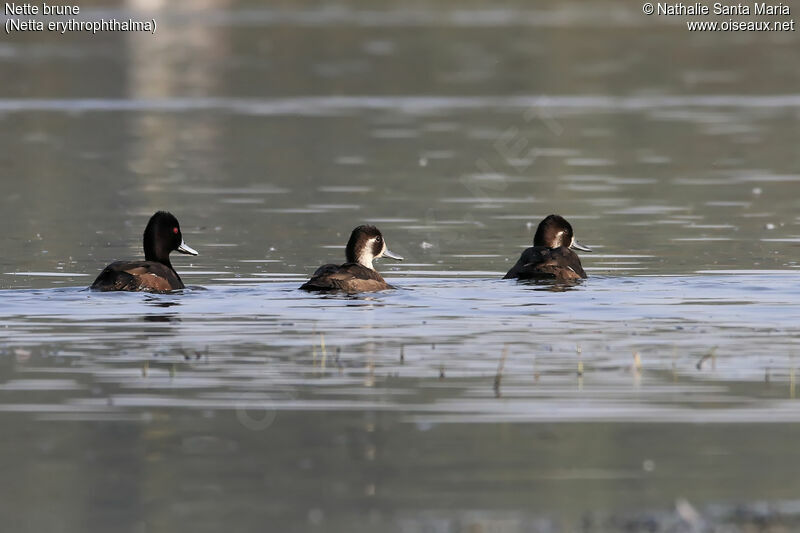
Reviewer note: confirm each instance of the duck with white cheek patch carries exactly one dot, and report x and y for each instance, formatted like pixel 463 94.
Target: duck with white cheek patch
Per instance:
pixel 358 274
pixel 551 256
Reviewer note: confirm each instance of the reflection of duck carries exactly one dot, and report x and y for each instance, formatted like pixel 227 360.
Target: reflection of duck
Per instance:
pixel 551 256
pixel 357 274
pixel 170 319
pixel 155 274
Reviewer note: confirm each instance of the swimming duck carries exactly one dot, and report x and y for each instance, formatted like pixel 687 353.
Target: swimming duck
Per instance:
pixel 155 274
pixel 551 256
pixel 356 275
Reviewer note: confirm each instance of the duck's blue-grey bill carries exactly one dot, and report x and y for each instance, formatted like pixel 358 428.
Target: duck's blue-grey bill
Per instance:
pixel 581 247
pixel 388 253
pixel 186 249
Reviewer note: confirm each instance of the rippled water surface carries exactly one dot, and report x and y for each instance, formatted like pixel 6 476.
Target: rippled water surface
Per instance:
pixel 658 395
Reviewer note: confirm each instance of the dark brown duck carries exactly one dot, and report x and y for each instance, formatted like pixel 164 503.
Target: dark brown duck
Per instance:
pixel 155 274
pixel 356 275
pixel 551 256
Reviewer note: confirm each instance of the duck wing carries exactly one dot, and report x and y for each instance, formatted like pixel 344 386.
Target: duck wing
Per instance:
pixel 325 269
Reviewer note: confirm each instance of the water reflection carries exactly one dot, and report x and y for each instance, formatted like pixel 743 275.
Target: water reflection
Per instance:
pixel 547 285
pixel 158 302
pixel 341 392
pixel 161 318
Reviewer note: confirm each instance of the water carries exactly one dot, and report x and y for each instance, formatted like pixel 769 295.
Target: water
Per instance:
pixel 659 395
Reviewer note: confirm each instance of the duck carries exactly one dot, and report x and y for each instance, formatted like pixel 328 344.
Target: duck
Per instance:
pixel 551 256
pixel 358 274
pixel 162 235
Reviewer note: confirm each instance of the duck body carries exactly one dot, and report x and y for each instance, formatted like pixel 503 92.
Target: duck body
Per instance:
pixel 349 277
pixel 149 276
pixel 551 256
pixel 155 274
pixel 541 262
pixel 357 274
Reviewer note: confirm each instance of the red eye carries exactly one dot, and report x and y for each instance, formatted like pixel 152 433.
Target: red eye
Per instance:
pixel 175 230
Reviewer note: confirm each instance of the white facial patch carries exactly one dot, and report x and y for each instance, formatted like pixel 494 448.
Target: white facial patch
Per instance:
pixel 365 256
